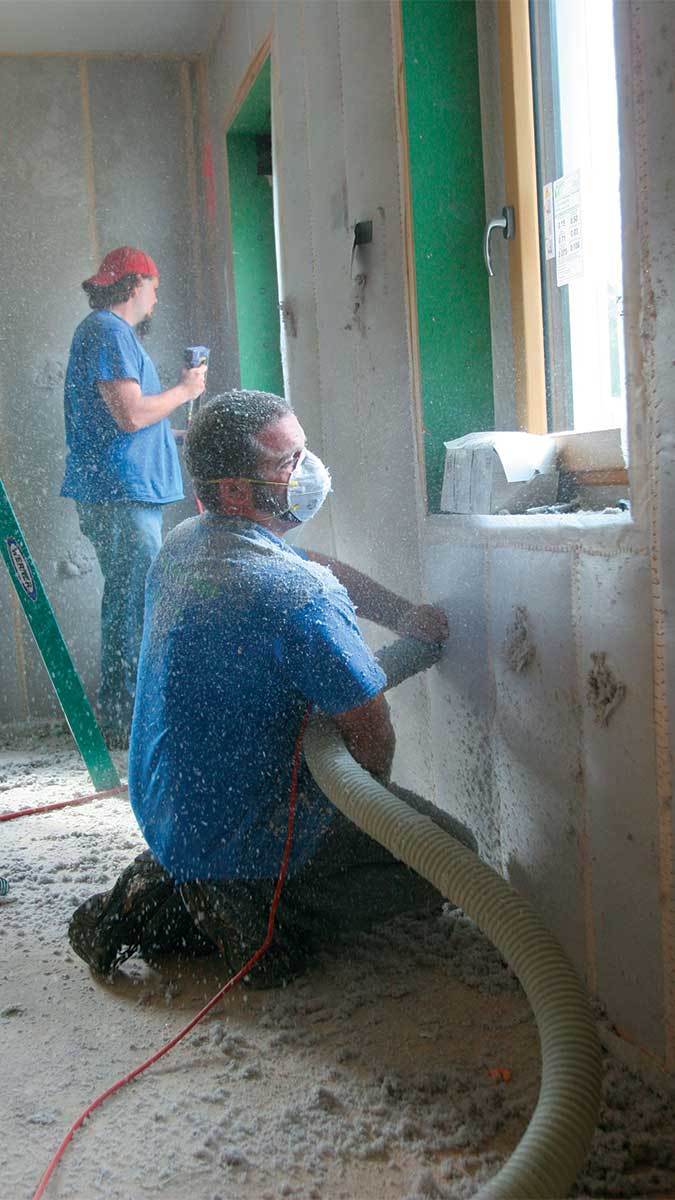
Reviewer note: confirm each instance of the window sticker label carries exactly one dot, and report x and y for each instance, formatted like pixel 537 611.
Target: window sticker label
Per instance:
pixel 568 228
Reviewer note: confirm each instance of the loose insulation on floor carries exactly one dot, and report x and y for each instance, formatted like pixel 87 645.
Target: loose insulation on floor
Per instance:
pixel 404 1066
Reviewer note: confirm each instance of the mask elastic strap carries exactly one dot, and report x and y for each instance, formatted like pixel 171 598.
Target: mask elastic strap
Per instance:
pixel 244 479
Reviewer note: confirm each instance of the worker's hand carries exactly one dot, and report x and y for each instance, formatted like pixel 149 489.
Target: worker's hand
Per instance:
pixel 426 622
pixel 193 379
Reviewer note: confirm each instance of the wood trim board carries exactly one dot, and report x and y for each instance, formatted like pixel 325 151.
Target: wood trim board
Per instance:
pixel 410 278
pixel 248 79
pixel 520 177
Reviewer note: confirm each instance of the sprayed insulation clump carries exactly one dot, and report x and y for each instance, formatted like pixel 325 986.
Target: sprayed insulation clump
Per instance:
pixel 631 1154
pixel 519 649
pixel 604 692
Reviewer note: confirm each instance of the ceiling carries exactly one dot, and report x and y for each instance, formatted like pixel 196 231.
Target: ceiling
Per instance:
pixel 182 27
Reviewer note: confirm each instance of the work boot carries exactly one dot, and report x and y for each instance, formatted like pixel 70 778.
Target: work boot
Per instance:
pixel 233 915
pixel 278 967
pixel 172 933
pixel 87 936
pixel 108 928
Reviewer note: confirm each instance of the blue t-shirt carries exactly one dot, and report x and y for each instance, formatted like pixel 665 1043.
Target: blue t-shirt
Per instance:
pixel 103 463
pixel 241 634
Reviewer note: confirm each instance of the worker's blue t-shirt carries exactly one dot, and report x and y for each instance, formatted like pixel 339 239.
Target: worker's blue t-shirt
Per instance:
pixel 103 463
pixel 241 634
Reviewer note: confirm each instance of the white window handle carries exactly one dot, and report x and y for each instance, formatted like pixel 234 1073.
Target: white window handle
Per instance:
pixel 507 224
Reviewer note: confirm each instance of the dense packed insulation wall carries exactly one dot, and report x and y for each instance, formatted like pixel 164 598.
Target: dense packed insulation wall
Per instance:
pixel 519 730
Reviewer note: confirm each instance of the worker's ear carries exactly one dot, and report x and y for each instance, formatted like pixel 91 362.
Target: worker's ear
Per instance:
pixel 234 496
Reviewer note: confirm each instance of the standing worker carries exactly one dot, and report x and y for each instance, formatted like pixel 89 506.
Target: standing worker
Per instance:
pixel 122 464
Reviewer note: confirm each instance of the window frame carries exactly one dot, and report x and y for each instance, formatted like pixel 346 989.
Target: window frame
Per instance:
pixel 545 335
pixel 521 191
pixel 524 326
pixel 556 331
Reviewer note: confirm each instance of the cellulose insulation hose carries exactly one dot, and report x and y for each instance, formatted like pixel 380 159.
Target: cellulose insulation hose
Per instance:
pixel 556 1142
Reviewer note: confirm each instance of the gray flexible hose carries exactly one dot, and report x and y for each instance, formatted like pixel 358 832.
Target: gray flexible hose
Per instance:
pixel 555 1144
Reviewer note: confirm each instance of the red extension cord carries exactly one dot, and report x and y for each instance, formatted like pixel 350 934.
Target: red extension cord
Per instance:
pixel 115 1087
pixel 29 812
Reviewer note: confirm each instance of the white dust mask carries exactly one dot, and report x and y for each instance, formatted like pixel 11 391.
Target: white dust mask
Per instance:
pixel 307 488
pixel 301 497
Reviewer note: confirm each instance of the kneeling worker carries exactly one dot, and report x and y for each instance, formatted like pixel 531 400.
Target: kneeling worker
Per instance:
pixel 242 633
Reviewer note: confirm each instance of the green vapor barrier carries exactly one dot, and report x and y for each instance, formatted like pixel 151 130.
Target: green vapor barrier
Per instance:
pixel 448 209
pixel 44 627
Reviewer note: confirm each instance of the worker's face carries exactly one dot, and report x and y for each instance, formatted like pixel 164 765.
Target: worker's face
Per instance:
pixel 145 299
pixel 281 445
pixel 282 442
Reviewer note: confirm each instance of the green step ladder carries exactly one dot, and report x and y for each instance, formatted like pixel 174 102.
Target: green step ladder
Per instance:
pixel 45 629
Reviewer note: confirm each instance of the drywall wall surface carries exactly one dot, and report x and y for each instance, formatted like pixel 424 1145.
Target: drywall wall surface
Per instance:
pixel 295 200
pixel 44 253
pixel 298 239
pixel 93 157
pixel 244 28
pixel 620 784
pixel 138 158
pixel 219 305
pixel 70 27
pixel 336 105
pixel 653 42
pixel 537 765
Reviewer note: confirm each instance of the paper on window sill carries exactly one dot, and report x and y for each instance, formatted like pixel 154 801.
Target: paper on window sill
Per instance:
pixel 486 472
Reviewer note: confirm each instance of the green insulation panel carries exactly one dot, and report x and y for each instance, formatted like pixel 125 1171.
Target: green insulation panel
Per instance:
pixel 253 249
pixel 446 170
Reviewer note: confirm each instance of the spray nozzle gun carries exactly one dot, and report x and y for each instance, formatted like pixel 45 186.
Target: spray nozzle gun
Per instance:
pixel 195 356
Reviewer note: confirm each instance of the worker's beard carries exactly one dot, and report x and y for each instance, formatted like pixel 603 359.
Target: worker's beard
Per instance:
pixel 271 500
pixel 143 328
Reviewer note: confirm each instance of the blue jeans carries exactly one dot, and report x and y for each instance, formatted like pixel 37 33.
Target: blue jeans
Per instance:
pixel 127 538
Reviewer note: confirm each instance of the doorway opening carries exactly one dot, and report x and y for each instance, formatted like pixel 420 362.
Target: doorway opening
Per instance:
pixel 250 170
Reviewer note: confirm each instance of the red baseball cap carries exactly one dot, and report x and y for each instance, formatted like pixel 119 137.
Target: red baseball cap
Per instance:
pixel 124 261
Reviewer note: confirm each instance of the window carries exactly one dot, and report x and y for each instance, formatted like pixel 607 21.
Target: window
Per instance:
pixel 577 152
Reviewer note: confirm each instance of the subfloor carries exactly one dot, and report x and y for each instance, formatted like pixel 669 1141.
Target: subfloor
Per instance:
pixel 404 1067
